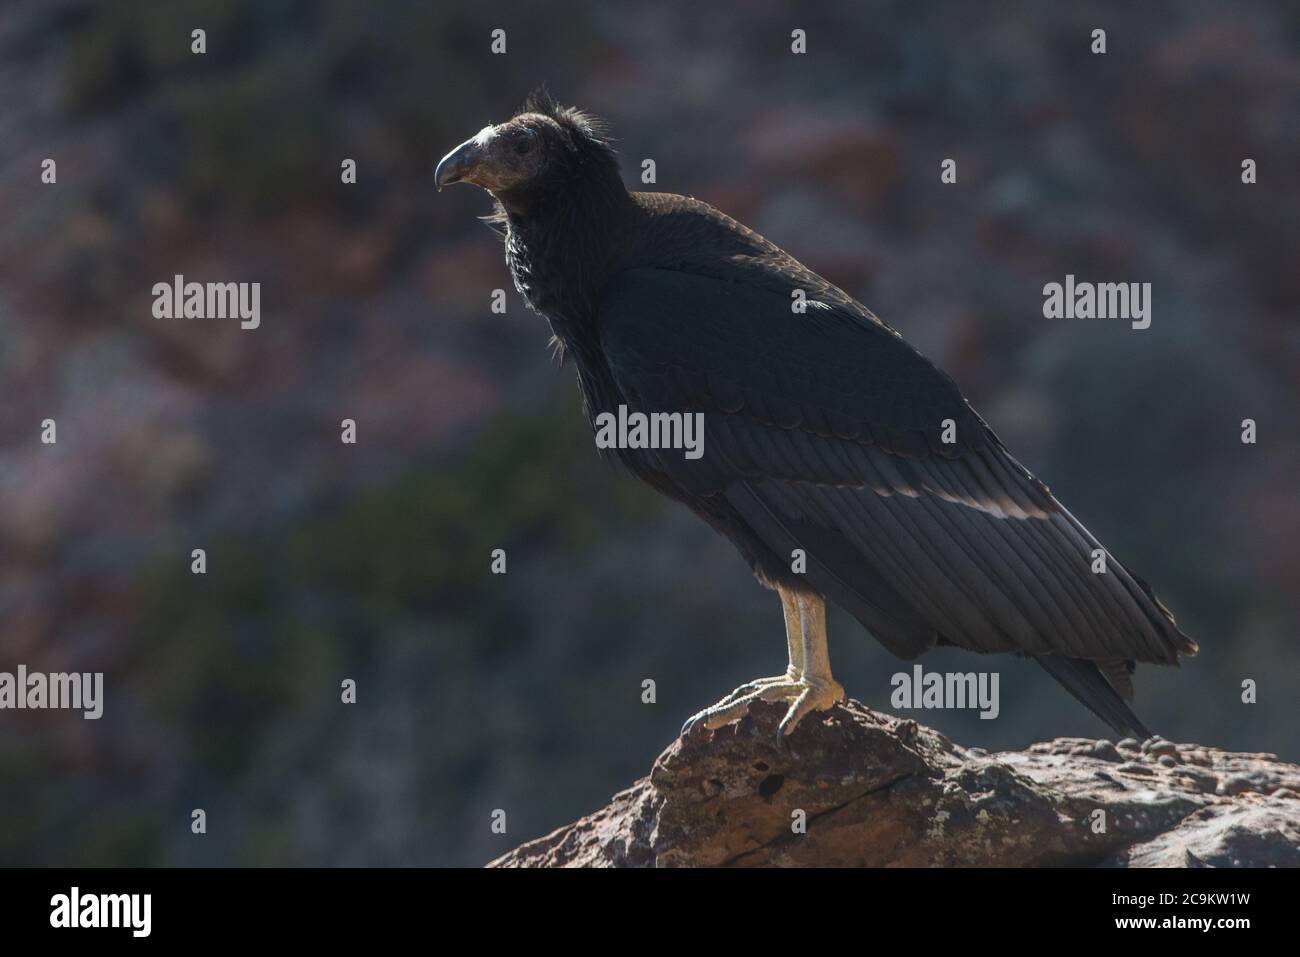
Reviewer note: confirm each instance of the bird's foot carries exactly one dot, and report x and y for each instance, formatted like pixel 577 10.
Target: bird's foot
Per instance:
pixel 804 696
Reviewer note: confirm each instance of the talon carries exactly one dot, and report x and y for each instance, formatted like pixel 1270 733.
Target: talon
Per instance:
pixel 815 697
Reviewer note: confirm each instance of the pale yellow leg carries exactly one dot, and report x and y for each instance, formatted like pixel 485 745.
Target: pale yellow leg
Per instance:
pixel 807 684
pixel 820 691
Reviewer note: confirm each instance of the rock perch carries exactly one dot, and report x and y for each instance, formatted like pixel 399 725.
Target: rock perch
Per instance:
pixel 880 791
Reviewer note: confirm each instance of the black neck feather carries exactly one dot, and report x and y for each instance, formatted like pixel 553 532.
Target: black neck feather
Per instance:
pixel 563 237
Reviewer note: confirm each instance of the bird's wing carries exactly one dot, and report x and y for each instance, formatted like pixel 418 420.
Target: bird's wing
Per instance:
pixel 826 432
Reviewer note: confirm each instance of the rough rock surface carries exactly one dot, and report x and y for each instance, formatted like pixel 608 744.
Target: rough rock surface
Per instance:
pixel 876 791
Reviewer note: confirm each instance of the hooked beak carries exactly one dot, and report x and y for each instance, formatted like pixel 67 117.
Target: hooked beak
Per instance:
pixel 460 163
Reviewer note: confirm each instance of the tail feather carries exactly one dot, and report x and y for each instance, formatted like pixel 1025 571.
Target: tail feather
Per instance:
pixel 1084 680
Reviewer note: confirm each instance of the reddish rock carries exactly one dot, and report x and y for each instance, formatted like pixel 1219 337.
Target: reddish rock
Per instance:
pixel 875 791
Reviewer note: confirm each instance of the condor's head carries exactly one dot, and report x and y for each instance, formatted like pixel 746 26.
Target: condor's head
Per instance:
pixel 540 157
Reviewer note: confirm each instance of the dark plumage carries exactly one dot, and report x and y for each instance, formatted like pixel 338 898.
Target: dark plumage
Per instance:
pixel 823 430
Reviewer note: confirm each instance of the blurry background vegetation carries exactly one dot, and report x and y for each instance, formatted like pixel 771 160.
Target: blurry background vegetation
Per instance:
pixel 370 562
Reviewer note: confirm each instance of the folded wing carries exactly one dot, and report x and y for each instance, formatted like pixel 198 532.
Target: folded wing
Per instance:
pixel 827 432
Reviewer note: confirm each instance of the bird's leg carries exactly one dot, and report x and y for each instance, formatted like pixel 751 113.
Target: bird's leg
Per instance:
pixel 807 683
pixel 820 691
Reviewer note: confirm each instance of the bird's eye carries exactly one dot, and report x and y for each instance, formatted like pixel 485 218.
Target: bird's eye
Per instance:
pixel 524 143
